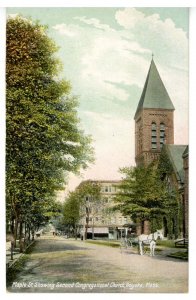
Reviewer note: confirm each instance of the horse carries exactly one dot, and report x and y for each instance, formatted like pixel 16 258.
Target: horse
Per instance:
pixel 149 239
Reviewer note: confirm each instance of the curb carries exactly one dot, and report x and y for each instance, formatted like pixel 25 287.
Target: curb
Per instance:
pixel 12 263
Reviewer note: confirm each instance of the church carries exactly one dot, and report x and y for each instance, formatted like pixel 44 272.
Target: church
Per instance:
pixel 154 141
pixel 154 135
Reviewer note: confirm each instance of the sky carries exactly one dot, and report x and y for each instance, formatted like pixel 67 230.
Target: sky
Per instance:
pixel 106 54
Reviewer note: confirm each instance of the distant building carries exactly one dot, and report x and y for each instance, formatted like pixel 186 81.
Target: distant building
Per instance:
pixel 104 222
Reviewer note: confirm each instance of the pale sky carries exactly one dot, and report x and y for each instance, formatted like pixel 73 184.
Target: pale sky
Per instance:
pixel 106 54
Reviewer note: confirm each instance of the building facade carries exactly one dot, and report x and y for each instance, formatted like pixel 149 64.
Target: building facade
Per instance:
pixel 176 180
pixel 103 222
pixel 154 131
pixel 185 157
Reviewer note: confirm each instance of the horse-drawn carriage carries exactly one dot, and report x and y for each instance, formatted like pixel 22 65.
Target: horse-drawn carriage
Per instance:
pixel 142 240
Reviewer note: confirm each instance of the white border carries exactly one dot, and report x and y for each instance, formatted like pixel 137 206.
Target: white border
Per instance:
pixel 192 120
pixel 96 3
pixel 192 151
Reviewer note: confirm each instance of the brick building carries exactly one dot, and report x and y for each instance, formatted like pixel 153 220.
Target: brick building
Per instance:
pixel 177 156
pixel 154 124
pixel 185 157
pixel 154 128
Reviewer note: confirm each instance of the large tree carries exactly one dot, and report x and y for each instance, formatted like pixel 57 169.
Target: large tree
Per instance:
pixel 143 195
pixel 43 139
pixel 81 204
pixel 71 211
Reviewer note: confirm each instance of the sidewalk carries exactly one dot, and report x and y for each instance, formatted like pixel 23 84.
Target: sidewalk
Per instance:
pixel 16 254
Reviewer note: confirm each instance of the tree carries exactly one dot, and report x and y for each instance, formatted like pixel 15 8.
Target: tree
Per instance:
pixel 90 197
pixel 142 195
pixel 43 139
pixel 173 204
pixel 71 211
pixel 81 204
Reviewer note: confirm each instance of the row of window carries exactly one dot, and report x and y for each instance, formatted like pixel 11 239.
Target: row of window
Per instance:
pixel 108 189
pixel 112 220
pixel 154 135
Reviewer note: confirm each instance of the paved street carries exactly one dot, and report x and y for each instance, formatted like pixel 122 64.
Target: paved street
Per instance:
pixel 64 265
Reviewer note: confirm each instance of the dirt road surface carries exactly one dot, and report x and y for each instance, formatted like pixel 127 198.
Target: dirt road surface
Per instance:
pixel 63 265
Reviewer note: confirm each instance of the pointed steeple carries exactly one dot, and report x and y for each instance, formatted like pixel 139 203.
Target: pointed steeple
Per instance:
pixel 154 94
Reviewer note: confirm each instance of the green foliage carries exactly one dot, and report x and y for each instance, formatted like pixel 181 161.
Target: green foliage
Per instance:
pixel 76 206
pixel 105 243
pixel 166 243
pixel 142 193
pixel 43 139
pixel 173 202
pixel 17 267
pixel 165 167
pixel 144 196
pixel 89 189
pixel 71 209
pixel 180 255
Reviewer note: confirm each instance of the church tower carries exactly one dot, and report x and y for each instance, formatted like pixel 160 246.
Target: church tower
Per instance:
pixel 154 124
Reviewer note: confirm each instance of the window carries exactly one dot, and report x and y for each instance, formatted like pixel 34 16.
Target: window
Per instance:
pixel 106 189
pixel 154 136
pixel 162 135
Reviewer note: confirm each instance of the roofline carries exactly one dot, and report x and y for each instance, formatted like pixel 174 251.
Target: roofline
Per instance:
pixel 186 152
pixel 101 181
pixel 157 109
pixel 145 88
pixel 173 164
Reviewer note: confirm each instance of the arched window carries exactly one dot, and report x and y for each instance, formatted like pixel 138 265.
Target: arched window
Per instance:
pixel 162 135
pixel 154 136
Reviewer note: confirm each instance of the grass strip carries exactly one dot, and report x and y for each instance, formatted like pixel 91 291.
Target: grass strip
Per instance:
pixel 104 243
pixel 180 254
pixel 18 265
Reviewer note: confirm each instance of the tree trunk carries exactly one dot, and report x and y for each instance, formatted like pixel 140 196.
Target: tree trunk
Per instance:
pixel 15 230
pixel 33 234
pixel 75 232
pixel 21 239
pixel 87 222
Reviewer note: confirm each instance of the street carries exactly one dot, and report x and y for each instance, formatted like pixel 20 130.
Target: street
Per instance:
pixel 63 265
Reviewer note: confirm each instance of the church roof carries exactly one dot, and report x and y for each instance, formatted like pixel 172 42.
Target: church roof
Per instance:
pixel 154 94
pixel 186 152
pixel 175 153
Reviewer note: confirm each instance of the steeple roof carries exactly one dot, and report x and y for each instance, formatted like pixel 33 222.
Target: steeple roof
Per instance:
pixel 154 94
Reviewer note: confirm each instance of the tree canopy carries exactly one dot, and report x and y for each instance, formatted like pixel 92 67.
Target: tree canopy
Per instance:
pixel 142 194
pixel 81 203
pixel 43 139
